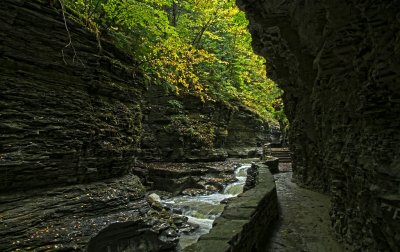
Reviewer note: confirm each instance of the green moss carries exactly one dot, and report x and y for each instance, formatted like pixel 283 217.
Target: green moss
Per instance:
pixel 193 130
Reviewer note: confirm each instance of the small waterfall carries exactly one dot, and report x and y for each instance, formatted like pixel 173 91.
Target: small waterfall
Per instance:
pixel 202 210
pixel 236 188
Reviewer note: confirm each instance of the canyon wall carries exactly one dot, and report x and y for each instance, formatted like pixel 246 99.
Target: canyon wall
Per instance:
pixel 185 129
pixel 70 113
pixel 338 63
pixel 70 128
pixel 72 108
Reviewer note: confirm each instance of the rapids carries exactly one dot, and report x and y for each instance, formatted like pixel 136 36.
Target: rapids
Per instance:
pixel 202 210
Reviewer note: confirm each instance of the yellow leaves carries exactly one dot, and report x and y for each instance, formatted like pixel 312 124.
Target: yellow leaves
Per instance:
pixel 220 65
pixel 175 63
pixel 225 68
pixel 213 36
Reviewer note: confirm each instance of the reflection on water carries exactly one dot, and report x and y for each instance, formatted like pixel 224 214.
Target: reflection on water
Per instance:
pixel 202 210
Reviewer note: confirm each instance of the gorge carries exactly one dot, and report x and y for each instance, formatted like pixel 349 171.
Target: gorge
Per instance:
pixel 85 135
pixel 76 128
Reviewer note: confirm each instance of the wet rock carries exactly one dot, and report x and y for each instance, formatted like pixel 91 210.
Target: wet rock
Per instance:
pixel 68 217
pixel 153 198
pixel 155 201
pixel 189 227
pixel 172 208
pixel 272 163
pixel 176 177
pixel 214 187
pixel 177 211
pixel 135 236
pixel 195 192
pixel 179 220
pixel 251 178
pixel 227 200
pixel 212 184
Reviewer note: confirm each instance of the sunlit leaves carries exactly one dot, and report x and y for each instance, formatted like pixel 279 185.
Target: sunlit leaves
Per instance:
pixel 197 46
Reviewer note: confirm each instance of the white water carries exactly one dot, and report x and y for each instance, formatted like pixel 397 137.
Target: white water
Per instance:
pixel 237 187
pixel 203 210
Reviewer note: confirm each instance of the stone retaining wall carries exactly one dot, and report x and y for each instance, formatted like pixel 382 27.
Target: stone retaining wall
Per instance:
pixel 245 222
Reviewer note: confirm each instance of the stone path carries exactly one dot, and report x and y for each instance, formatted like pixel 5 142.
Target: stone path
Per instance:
pixel 304 224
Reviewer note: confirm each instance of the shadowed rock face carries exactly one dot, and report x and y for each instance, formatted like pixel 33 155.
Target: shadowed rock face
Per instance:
pixel 72 114
pixel 185 129
pixel 139 235
pixel 63 120
pixel 338 63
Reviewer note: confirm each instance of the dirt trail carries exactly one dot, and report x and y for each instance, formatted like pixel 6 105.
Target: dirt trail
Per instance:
pixel 304 224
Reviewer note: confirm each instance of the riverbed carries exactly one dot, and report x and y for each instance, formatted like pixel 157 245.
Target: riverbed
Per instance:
pixel 202 210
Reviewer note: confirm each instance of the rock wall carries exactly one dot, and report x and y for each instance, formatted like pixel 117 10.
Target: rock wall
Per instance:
pixel 72 113
pixel 247 134
pixel 65 121
pixel 186 178
pixel 64 118
pixel 182 128
pixel 68 217
pixel 338 63
pixel 185 129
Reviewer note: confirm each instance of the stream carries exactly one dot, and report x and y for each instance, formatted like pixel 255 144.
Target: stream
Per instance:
pixel 202 210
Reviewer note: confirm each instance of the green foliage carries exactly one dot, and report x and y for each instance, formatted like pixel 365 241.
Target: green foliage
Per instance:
pixel 192 130
pixel 176 104
pixel 196 46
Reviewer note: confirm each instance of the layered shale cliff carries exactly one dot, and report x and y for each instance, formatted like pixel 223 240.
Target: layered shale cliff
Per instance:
pixel 70 113
pixel 70 127
pixel 185 129
pixel 339 65
pixel 72 108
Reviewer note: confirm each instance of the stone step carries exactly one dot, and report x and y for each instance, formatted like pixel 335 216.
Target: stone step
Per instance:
pixel 283 155
pixel 280 155
pixel 285 160
pixel 281 152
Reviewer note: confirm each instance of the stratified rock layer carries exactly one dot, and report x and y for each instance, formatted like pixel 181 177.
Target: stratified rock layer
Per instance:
pixel 65 118
pixel 185 129
pixel 339 65
pixel 68 217
pixel 72 113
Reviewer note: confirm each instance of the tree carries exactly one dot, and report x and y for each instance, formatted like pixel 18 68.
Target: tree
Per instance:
pixel 194 46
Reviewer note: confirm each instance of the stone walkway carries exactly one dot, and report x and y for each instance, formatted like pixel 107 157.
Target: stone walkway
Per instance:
pixel 304 224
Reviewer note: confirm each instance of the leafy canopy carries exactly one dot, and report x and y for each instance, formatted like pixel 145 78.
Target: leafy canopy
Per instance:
pixel 197 46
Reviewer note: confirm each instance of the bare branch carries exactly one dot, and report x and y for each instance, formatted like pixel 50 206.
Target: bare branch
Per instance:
pixel 69 37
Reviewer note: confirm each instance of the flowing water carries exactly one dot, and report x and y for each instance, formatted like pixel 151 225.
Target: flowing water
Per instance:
pixel 202 210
